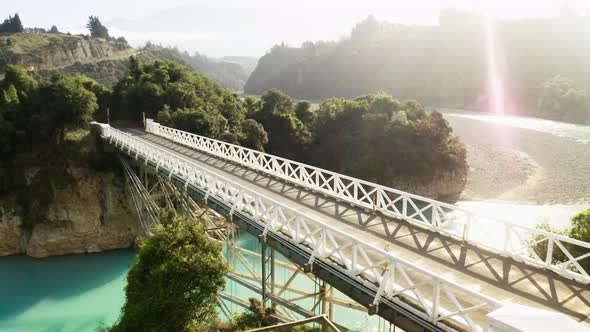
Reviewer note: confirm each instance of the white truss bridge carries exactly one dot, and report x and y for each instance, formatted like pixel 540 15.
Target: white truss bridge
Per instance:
pixel 437 265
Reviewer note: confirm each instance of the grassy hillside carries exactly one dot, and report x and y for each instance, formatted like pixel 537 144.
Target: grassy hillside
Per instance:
pixel 44 51
pixel 26 43
pixel 104 60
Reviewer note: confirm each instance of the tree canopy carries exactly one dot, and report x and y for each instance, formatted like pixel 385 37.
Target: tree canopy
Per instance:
pixel 12 24
pixel 181 98
pixel 174 282
pixel 373 137
pixel 256 316
pixel 563 100
pixel 37 114
pixel 96 28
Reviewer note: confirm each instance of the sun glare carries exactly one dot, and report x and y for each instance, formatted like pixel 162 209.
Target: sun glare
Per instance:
pixel 495 86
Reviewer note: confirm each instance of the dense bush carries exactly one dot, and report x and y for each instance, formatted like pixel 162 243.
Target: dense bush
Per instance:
pixel 374 137
pixel 378 138
pixel 181 98
pixel 37 114
pixel 562 100
pixel 174 282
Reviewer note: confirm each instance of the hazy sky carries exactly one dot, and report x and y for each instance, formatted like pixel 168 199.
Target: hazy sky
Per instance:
pixel 231 27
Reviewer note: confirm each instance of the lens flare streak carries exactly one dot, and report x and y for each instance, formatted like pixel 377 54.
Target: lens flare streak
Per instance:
pixel 495 86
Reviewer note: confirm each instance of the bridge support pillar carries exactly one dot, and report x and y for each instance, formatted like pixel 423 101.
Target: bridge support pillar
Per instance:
pixel 268 272
pixel 324 299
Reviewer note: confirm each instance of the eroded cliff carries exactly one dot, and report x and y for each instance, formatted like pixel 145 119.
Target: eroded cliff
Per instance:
pixel 87 213
pixel 35 51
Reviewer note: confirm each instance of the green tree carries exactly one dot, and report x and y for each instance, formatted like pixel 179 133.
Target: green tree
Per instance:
pixel 164 117
pixel 96 28
pixel 562 100
pixel 65 103
pixel 20 79
pixel 12 24
pixel 53 29
pixel 251 105
pixel 275 101
pixel 174 282
pixel 377 138
pixel 287 135
pixel 10 97
pixel 194 103
pixel 579 229
pixel 134 68
pixel 256 316
pixel 254 135
pixel 199 121
pixel 303 112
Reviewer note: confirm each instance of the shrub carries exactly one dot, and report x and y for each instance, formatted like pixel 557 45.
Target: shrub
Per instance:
pixel 174 282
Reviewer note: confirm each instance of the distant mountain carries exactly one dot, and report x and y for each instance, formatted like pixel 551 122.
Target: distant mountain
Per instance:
pixel 447 65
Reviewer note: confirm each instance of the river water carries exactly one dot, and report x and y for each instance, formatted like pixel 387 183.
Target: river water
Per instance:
pixel 85 292
pixel 580 133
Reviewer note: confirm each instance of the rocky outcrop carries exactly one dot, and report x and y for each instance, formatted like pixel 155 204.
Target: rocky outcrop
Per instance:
pixel 91 214
pixel 47 51
pixel 446 187
pixel 10 232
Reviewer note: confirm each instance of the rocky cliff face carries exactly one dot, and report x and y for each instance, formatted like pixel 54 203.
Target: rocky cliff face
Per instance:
pixel 51 51
pixel 91 214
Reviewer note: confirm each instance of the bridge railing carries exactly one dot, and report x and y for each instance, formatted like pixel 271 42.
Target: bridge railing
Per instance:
pixel 435 299
pixel 549 250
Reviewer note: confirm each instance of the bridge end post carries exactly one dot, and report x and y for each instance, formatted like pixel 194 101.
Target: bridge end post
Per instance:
pixel 373 309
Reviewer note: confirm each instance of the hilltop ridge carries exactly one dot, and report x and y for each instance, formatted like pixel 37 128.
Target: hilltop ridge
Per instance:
pixel 48 51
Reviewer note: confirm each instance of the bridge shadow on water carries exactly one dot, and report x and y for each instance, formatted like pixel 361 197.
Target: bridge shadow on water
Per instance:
pixel 26 282
pixel 510 280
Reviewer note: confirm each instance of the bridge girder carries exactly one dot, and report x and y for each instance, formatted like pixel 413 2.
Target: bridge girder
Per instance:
pixel 397 313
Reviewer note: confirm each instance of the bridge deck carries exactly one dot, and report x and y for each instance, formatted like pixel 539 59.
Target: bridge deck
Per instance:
pixel 491 274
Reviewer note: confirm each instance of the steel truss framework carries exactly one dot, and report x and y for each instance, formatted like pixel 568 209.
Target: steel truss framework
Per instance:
pixel 428 299
pixel 446 219
pixel 150 192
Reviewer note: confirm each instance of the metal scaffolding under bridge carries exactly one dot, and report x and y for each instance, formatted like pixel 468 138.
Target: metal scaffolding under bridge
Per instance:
pixel 418 263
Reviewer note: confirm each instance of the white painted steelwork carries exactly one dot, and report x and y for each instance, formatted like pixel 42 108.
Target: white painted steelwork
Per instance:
pixel 436 299
pixel 500 236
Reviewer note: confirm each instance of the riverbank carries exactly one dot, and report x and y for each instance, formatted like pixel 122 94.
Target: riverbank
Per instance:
pixel 521 165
